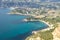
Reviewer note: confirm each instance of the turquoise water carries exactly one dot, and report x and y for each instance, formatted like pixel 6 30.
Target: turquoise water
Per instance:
pixel 13 28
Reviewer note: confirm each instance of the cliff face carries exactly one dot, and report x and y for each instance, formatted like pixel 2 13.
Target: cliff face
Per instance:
pixel 56 33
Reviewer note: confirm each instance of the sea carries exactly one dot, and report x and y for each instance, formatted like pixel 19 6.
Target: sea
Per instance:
pixel 13 28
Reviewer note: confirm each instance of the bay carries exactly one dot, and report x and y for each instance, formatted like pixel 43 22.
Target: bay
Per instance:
pixel 13 28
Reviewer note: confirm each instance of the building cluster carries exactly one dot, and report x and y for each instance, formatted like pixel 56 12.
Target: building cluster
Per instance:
pixel 29 3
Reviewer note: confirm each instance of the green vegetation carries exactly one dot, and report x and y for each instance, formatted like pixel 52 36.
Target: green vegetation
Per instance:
pixel 47 35
pixel 33 36
pixel 57 19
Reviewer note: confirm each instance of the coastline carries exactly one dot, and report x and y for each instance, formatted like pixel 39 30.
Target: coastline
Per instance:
pixel 46 29
pixel 49 25
pixel 20 14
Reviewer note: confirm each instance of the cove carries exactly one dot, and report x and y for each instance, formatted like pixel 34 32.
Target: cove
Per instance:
pixel 13 28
